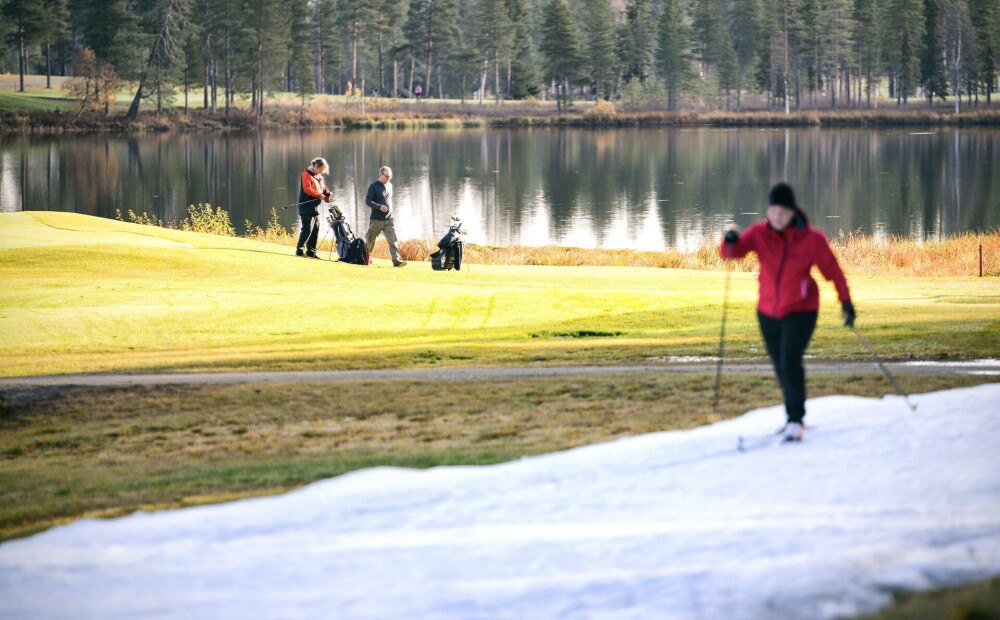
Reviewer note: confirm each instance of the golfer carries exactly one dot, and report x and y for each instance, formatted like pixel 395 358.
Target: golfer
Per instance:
pixel 312 191
pixel 379 200
pixel 787 247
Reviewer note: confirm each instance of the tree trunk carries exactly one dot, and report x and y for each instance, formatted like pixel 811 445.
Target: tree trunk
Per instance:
pixel 48 64
pixel 21 57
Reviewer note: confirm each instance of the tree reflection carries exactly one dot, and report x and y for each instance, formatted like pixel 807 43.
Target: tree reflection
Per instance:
pixel 590 187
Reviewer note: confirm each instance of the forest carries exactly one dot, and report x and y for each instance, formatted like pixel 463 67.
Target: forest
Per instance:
pixel 675 54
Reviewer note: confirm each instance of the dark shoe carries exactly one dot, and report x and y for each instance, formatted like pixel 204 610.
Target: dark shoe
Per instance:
pixel 299 252
pixel 401 263
pixel 312 256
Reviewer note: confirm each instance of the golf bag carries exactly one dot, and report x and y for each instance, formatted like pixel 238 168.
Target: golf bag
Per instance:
pixel 449 254
pixel 349 249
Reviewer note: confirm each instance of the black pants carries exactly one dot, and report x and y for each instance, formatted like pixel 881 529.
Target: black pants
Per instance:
pixel 787 340
pixel 309 234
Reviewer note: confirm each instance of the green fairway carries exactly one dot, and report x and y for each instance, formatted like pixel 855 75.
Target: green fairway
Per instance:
pixel 85 294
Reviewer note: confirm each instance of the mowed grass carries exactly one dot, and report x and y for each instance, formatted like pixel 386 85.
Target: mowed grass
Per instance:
pixel 84 294
pixel 107 452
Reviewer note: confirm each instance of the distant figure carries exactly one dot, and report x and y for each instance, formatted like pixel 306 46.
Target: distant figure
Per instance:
pixel 417 91
pixel 312 191
pixel 787 247
pixel 379 200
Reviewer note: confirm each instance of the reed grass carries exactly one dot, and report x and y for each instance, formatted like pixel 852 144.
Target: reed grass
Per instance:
pixel 859 254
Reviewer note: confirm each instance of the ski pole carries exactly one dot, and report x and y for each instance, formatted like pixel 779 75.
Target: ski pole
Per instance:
pixel 884 369
pixel 722 347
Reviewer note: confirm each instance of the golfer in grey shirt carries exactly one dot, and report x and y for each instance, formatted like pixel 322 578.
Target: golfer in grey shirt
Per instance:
pixel 379 200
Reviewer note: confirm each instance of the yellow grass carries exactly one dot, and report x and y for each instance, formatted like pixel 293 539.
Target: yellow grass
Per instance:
pixel 859 255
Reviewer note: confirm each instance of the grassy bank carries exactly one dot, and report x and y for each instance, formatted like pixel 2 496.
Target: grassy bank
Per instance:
pixel 83 294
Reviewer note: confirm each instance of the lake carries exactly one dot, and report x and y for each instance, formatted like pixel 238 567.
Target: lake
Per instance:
pixel 643 188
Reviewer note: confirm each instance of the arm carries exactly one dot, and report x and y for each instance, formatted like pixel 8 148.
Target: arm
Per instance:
pixel 373 204
pixel 743 245
pixel 311 186
pixel 826 260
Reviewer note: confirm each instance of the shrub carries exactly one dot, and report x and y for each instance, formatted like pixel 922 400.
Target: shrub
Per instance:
pixel 204 219
pixel 273 233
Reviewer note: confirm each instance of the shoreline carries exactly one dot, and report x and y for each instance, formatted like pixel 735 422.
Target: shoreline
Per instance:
pixel 389 115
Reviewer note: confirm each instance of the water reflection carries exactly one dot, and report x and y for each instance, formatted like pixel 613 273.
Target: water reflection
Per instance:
pixel 635 188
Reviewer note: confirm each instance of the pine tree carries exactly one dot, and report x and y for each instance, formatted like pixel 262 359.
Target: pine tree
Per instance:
pixel 522 71
pixel 638 40
pixel 708 31
pixel 493 40
pixel 326 38
pixel 933 79
pixel 837 44
pixel 984 15
pixel 561 46
pixel 300 77
pixel 430 28
pixel 356 19
pixel 868 39
pixel 165 23
pixel 728 70
pixel 600 37
pixel 959 46
pixel 26 18
pixel 743 31
pixel 813 36
pixel 55 18
pixel 673 56
pixel 266 48
pixel 904 44
pixel 388 34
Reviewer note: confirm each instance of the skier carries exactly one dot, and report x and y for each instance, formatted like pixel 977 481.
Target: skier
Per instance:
pixel 788 304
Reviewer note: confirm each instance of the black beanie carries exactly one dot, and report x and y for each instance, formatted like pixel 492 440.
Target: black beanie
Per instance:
pixel 783 196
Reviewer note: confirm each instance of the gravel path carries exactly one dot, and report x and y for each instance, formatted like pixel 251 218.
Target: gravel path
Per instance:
pixel 19 390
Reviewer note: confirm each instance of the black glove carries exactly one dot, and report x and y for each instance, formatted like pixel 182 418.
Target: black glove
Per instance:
pixel 732 236
pixel 849 314
pixel 326 193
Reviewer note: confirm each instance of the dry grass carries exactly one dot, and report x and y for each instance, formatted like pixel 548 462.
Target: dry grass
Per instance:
pixel 106 452
pixel 859 255
pixel 953 256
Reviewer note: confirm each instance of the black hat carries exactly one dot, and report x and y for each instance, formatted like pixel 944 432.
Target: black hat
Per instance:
pixel 782 196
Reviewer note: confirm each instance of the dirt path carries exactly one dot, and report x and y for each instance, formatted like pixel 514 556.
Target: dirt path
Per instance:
pixel 19 389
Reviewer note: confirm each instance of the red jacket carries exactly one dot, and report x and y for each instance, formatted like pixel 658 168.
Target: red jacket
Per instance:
pixel 786 286
pixel 313 184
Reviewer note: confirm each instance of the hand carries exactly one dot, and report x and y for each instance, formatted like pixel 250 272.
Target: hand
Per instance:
pixel 732 236
pixel 384 209
pixel 326 193
pixel 849 314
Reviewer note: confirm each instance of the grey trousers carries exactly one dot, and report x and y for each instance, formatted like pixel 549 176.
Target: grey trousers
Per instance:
pixel 389 230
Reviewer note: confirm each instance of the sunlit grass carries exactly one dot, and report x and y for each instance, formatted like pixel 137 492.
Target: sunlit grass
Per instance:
pixel 84 294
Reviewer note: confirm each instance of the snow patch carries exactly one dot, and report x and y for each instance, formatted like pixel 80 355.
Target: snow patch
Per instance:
pixel 877 499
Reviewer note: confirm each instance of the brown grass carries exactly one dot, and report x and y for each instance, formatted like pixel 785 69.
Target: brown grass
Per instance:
pixel 107 452
pixel 859 254
pixel 953 256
